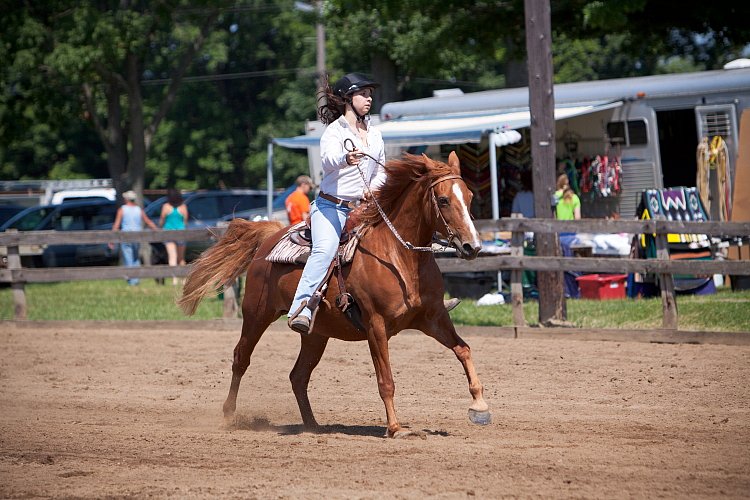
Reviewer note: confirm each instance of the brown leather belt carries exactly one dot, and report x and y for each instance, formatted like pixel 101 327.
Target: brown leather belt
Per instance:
pixel 339 201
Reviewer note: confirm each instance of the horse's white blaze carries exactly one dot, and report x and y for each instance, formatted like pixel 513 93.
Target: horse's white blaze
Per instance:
pixel 467 216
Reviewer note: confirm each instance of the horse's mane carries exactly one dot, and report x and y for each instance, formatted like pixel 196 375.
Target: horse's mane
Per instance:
pixel 409 172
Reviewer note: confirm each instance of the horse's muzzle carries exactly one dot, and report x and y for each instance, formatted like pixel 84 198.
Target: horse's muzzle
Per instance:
pixel 467 251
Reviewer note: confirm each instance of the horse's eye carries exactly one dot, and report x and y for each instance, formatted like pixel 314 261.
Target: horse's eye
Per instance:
pixel 443 201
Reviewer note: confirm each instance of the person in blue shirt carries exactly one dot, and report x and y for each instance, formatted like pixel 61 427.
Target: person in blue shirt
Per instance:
pixel 131 217
pixel 523 202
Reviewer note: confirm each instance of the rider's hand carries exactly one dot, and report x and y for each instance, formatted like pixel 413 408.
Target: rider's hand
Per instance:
pixel 354 157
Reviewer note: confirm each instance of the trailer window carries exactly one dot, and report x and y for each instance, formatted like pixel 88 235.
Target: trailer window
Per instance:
pixel 628 133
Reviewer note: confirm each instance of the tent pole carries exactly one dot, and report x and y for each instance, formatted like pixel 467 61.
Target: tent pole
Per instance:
pixel 269 173
pixel 495 198
pixel 493 177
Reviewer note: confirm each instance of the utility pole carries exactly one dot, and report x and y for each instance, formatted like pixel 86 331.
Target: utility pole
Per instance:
pixel 316 8
pixel 542 109
pixel 320 44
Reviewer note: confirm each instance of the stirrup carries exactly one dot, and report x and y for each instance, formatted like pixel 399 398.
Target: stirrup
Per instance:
pixel 344 301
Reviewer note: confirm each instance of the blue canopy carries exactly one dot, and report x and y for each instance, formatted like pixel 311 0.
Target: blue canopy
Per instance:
pixel 451 129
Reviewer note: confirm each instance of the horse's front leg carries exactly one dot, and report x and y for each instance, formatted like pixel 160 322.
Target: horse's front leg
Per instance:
pixel 443 331
pixel 378 342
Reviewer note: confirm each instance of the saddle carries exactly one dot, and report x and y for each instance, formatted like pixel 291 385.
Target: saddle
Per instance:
pixel 295 245
pixel 294 248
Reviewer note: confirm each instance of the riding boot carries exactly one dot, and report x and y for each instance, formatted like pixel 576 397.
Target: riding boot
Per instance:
pixel 451 304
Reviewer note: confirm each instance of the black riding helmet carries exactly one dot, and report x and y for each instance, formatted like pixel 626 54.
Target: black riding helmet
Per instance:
pixel 349 84
pixel 352 82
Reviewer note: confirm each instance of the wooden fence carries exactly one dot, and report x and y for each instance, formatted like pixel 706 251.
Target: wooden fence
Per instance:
pixel 515 261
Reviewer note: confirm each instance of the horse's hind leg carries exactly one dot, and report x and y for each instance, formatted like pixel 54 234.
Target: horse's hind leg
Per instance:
pixel 444 332
pixel 253 329
pixel 311 351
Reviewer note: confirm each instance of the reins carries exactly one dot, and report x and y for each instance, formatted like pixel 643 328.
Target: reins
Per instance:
pixel 406 244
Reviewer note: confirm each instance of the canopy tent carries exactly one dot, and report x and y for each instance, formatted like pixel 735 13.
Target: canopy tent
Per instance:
pixel 452 129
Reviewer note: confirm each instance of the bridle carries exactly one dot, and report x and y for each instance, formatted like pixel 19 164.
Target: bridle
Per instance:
pixel 451 236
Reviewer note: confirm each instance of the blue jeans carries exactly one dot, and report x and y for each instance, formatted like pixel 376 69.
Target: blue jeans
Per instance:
pixel 131 258
pixel 327 221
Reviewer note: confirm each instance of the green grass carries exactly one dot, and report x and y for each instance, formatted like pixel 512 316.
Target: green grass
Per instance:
pixel 115 300
pixel 105 300
pixel 724 311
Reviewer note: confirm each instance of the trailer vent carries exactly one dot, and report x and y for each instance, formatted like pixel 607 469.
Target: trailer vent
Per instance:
pixel 716 120
pixel 717 123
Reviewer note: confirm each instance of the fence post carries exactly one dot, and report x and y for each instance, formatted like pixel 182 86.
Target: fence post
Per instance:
pixel 516 277
pixel 230 301
pixel 666 284
pixel 18 287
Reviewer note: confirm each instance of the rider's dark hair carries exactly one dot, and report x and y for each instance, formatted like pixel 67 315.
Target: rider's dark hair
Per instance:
pixel 330 105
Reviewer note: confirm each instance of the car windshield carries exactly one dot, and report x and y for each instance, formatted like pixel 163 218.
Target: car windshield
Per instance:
pixel 29 219
pixel 208 207
pixel 8 211
pixel 78 218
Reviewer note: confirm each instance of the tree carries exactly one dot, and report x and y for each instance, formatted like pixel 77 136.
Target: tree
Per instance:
pixel 36 124
pixel 413 46
pixel 102 52
pixel 220 127
pixel 110 49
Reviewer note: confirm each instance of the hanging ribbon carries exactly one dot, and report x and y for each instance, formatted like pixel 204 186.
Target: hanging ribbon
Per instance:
pixel 714 156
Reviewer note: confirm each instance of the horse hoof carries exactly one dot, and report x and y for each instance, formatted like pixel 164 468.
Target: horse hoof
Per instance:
pixel 228 423
pixel 406 434
pixel 480 417
pixel 314 428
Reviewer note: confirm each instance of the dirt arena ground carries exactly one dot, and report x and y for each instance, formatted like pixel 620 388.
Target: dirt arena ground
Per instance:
pixel 137 413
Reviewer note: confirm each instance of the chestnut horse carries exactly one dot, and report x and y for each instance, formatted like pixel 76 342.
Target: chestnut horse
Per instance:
pixel 396 287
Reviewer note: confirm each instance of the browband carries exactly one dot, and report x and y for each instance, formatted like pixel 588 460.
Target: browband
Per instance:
pixel 444 178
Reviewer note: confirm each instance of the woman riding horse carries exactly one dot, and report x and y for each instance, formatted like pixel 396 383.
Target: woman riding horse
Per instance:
pixel 393 277
pixel 345 110
pixel 347 173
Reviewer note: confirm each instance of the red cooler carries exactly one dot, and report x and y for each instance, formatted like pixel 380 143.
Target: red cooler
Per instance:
pixel 602 286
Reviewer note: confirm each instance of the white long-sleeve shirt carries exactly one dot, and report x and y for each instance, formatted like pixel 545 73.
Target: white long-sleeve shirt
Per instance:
pixel 340 179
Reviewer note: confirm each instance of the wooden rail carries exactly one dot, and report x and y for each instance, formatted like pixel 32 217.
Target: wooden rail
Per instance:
pixel 18 276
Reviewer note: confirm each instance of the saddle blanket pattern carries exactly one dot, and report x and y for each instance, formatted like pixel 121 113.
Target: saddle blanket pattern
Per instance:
pixel 288 251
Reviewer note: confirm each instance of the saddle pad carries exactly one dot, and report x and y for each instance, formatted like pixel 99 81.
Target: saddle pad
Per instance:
pixel 287 251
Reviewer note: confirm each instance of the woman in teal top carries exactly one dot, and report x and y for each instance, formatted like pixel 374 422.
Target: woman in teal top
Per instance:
pixel 174 216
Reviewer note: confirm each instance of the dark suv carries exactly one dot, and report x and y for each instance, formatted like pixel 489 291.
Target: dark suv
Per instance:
pixel 72 216
pixel 206 208
pixel 209 209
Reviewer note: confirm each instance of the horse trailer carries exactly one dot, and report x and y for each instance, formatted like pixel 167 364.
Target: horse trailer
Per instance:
pixel 653 124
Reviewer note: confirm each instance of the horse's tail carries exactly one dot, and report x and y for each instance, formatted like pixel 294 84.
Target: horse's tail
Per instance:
pixel 224 261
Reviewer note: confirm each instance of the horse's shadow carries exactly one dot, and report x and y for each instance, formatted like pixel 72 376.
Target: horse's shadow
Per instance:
pixel 261 424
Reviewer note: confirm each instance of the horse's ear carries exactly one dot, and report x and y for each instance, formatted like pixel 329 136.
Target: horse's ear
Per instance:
pixel 453 160
pixel 427 160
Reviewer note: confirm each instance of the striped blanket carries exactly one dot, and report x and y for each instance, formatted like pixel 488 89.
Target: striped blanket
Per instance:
pixel 288 251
